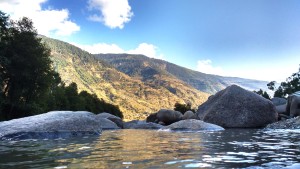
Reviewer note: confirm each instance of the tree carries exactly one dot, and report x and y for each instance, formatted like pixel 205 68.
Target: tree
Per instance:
pixel 291 85
pixel 28 83
pixel 183 107
pixel 26 71
pixel 263 94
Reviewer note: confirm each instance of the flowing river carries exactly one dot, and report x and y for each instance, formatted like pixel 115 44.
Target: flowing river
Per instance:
pixel 232 148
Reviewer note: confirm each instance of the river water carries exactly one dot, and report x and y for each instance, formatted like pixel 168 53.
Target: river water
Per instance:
pixel 232 148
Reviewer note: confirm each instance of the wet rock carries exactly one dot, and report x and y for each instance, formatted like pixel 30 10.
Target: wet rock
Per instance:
pixel 293 123
pixel 117 120
pixel 168 116
pixel 237 107
pixel 194 125
pixel 136 124
pixel 56 124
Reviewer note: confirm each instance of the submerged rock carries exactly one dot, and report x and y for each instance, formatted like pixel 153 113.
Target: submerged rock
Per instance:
pixel 168 116
pixel 193 124
pixel 136 124
pixel 237 107
pixel 56 124
pixel 293 123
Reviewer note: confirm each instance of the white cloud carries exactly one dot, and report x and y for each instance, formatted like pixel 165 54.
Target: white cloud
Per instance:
pixel 148 50
pixel 205 66
pixel 143 49
pixel 47 22
pixel 113 13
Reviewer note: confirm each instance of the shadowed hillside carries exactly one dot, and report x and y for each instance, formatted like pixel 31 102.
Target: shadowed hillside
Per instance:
pixel 134 95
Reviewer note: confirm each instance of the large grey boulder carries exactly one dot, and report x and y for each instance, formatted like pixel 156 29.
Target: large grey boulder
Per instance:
pixel 193 125
pixel 56 124
pixel 293 123
pixel 293 105
pixel 117 120
pixel 136 124
pixel 168 116
pixel 237 107
pixel 189 115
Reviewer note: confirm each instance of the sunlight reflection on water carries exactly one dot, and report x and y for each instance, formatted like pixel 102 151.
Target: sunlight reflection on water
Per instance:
pixel 232 148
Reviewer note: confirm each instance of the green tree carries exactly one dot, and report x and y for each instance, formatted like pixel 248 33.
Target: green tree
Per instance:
pixel 183 107
pixel 26 71
pixel 291 85
pixel 263 94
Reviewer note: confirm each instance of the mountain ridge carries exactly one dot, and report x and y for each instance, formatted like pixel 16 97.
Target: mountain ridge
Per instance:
pixel 136 98
pixel 201 81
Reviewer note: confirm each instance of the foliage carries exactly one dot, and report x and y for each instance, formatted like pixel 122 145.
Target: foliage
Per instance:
pixel 291 85
pixel 26 71
pixel 263 94
pixel 29 85
pixel 183 107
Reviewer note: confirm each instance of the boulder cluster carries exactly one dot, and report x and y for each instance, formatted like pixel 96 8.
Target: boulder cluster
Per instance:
pixel 233 107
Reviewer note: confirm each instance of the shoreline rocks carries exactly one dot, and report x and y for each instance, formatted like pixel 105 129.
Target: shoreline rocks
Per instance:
pixel 293 123
pixel 136 124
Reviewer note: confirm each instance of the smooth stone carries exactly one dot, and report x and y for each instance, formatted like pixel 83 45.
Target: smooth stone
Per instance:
pixel 55 124
pixel 117 120
pixel 193 125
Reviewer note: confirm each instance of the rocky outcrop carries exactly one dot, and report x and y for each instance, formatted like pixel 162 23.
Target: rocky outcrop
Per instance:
pixel 293 105
pixel 56 124
pixel 293 123
pixel 189 115
pixel 237 107
pixel 193 125
pixel 117 120
pixel 136 124
pixel 168 116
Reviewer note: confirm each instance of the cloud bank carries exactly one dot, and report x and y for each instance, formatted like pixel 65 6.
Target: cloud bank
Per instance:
pixel 112 13
pixel 146 49
pixel 46 21
pixel 205 66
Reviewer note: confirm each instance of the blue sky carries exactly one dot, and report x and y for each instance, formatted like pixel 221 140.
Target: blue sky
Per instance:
pixel 257 39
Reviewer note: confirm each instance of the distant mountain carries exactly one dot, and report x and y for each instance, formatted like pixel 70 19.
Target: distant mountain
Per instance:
pixel 142 67
pixel 137 96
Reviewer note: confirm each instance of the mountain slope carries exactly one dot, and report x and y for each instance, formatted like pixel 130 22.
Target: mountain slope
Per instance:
pixel 137 65
pixel 134 96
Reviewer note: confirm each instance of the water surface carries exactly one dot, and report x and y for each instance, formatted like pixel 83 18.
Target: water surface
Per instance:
pixel 232 148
